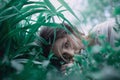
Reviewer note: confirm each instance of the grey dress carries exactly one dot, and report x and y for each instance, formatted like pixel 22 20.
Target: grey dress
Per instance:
pixel 106 30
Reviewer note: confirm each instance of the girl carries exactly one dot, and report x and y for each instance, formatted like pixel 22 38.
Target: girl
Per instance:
pixel 66 41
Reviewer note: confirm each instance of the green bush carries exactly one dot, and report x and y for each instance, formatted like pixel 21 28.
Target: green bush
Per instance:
pixel 21 58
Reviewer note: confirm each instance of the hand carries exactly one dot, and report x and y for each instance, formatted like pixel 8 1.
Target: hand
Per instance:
pixel 65 66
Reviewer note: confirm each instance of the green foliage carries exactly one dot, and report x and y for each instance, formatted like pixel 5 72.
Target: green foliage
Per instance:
pixel 98 11
pixel 22 59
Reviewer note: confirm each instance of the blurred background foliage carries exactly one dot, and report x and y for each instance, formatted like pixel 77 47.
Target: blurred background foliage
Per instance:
pixel 100 10
pixel 21 58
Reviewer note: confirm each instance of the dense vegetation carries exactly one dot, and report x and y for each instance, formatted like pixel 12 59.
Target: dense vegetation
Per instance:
pixel 21 59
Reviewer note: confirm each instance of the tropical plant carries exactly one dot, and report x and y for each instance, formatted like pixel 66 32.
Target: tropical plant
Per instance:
pixel 21 58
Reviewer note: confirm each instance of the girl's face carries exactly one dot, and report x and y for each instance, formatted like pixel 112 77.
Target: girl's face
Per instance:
pixel 67 46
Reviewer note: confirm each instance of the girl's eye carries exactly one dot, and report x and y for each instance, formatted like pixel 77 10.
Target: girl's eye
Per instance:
pixel 67 44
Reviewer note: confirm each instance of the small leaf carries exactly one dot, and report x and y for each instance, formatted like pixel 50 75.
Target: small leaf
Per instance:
pixel 52 25
pixel 117 10
pixel 78 58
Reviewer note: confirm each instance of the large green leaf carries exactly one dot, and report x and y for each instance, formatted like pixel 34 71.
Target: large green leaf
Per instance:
pixel 26 14
pixel 68 8
pixel 50 6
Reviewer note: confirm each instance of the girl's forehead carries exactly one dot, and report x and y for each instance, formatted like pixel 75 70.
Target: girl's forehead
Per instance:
pixel 60 41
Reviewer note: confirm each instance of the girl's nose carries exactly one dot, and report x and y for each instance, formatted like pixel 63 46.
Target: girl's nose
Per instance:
pixel 77 51
pixel 71 52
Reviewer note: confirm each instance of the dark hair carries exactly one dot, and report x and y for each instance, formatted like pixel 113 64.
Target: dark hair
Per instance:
pixel 51 34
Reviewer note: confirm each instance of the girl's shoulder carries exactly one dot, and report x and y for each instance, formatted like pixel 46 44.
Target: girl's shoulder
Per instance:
pixel 105 29
pixel 104 26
